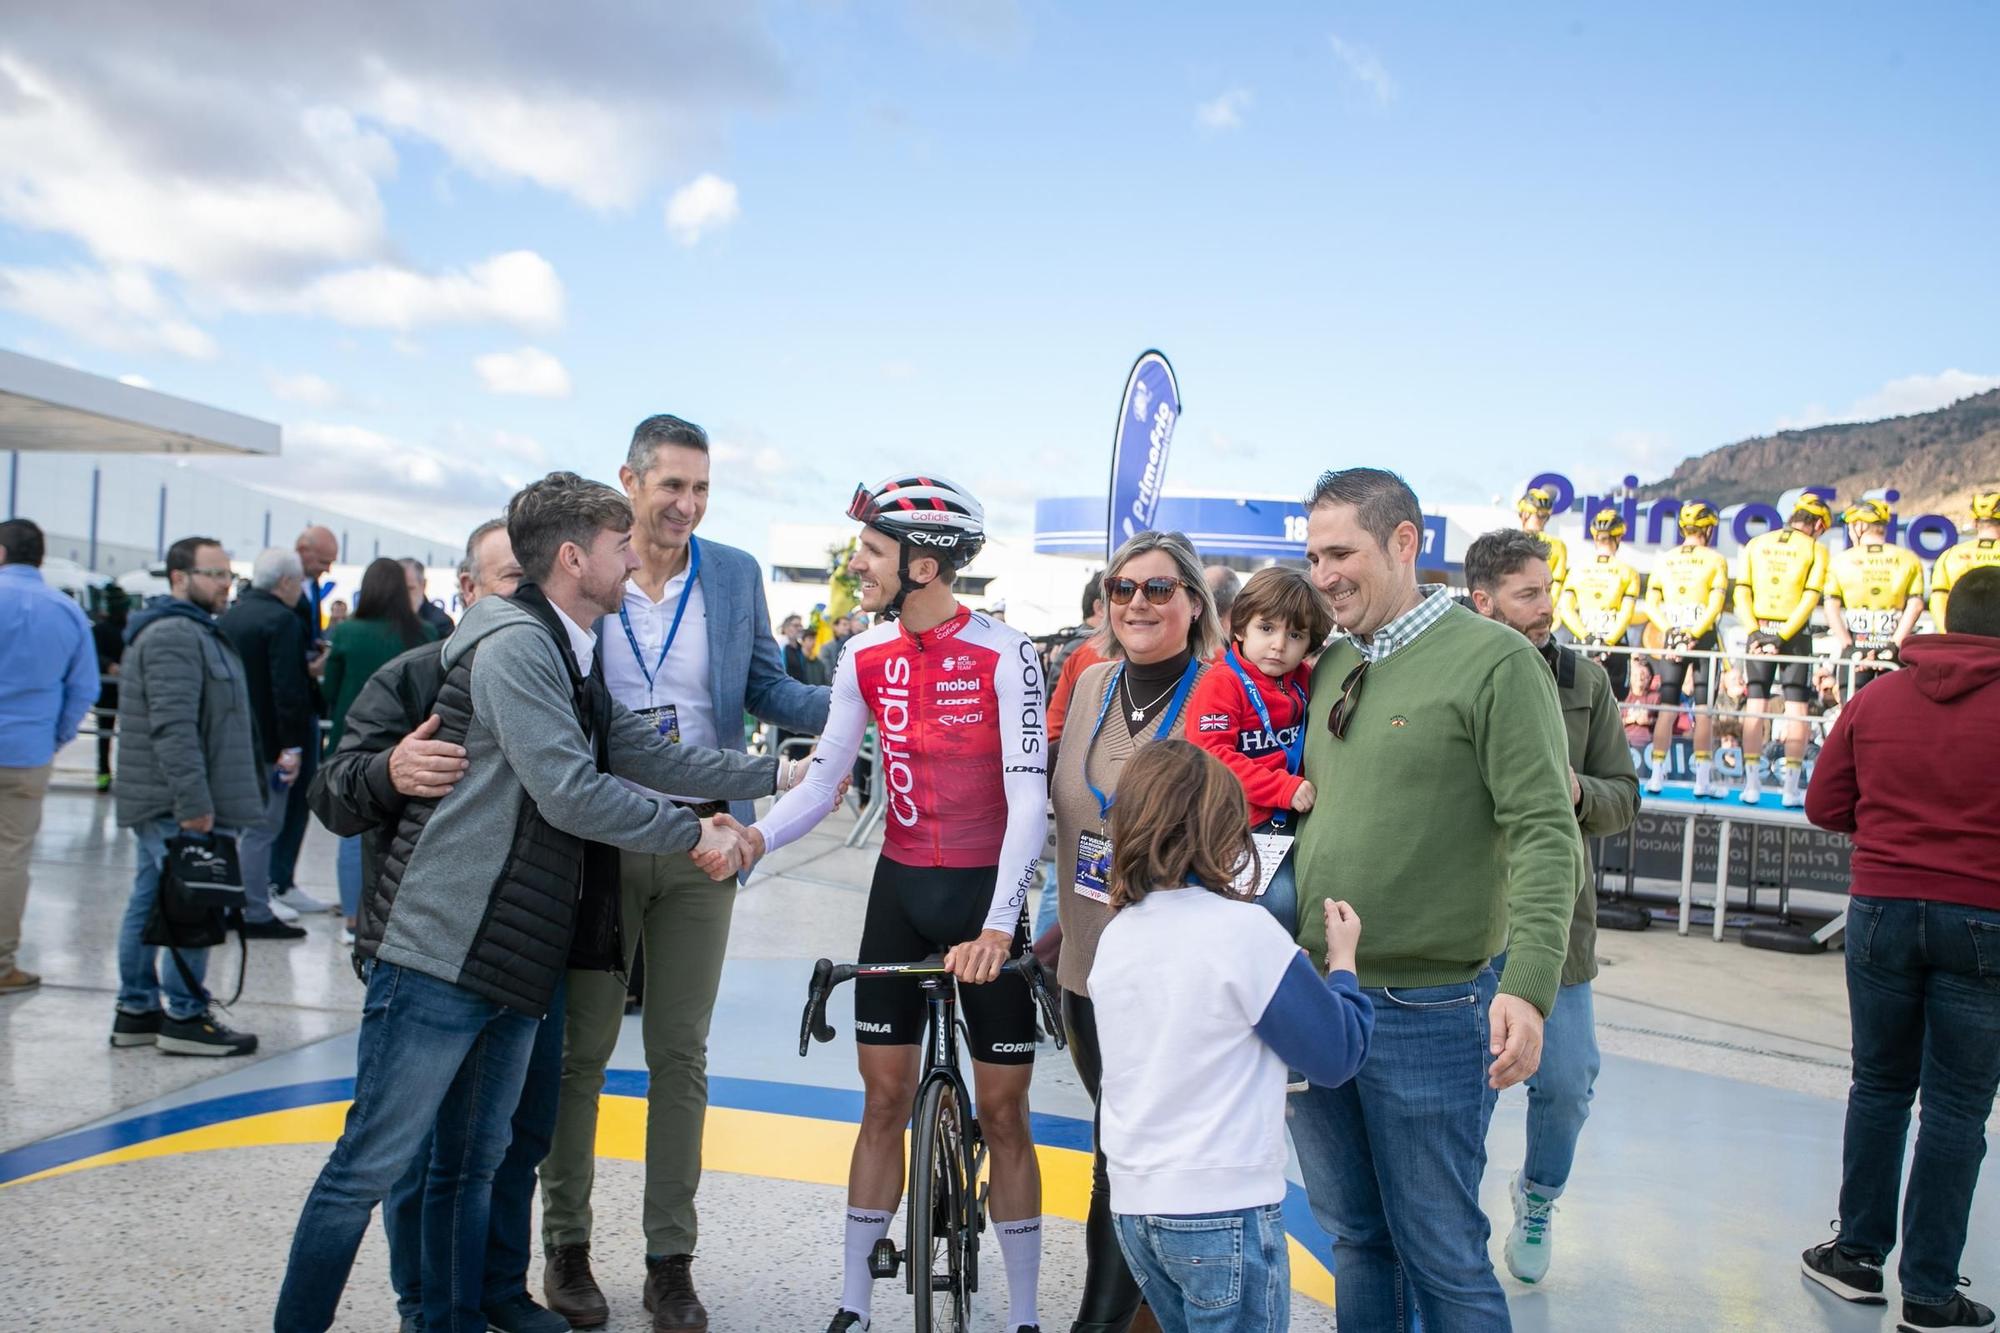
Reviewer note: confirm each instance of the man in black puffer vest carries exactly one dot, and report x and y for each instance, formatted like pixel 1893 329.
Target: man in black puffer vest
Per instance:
pixel 471 922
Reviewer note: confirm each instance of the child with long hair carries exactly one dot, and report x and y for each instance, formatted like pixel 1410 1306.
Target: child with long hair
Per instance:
pixel 1201 1000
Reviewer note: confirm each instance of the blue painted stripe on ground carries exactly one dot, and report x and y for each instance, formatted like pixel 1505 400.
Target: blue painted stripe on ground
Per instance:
pixel 740 1094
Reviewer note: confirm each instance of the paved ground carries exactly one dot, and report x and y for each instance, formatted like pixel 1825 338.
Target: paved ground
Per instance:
pixel 1710 1160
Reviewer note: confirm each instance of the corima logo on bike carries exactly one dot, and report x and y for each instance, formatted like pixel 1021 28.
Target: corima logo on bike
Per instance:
pixel 872 1027
pixel 1012 1047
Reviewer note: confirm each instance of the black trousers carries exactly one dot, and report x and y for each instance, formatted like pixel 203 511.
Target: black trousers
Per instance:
pixel 1110 1296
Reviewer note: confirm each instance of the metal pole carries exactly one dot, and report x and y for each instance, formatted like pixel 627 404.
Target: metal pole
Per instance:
pixel 96 478
pixel 160 535
pixel 13 483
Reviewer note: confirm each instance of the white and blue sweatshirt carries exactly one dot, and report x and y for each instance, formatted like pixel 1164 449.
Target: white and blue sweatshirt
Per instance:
pixel 1202 1002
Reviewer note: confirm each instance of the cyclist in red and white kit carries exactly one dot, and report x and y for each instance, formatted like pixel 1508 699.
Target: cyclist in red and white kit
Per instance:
pixel 958 703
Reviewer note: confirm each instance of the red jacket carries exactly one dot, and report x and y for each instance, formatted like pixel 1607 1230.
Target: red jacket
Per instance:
pixel 1221 721
pixel 1908 771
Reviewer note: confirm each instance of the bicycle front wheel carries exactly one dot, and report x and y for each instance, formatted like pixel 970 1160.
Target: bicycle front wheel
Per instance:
pixel 940 1219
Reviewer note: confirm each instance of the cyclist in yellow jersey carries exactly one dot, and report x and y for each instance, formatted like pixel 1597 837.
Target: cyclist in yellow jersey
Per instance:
pixel 1955 564
pixel 1535 509
pixel 1782 576
pixel 1600 600
pixel 1874 594
pixel 1685 597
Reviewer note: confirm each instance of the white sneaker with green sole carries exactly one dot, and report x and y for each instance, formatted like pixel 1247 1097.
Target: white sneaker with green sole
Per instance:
pixel 1529 1243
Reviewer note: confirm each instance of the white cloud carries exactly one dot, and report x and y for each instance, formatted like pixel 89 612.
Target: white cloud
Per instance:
pixel 518 288
pixel 245 156
pixel 306 388
pixel 1225 112
pixel 1229 446
pixel 705 204
pixel 136 381
pixel 1366 68
pixel 443 490
pixel 529 371
pixel 124 309
pixel 1903 397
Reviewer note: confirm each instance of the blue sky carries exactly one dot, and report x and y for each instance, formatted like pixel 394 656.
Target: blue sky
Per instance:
pixel 1467 242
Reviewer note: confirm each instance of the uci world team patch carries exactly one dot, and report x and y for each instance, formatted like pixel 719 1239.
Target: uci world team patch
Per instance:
pixel 1216 722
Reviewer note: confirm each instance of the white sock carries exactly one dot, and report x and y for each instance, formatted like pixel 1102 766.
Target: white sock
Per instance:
pixel 865 1226
pixel 1021 1251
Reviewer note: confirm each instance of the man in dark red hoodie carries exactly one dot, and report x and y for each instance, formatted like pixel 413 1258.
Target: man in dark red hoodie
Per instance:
pixel 1923 957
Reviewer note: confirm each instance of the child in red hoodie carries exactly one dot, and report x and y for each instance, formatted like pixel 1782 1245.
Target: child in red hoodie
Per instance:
pixel 1252 717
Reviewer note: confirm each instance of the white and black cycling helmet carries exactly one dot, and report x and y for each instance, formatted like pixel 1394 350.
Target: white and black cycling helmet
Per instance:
pixel 924 516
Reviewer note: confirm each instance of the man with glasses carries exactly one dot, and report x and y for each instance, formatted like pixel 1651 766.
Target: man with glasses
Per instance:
pixel 187 764
pixel 1437 736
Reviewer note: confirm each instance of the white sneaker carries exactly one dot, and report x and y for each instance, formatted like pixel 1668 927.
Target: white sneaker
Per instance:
pixel 300 901
pixel 347 937
pixel 1753 784
pixel 1529 1244
pixel 1704 779
pixel 283 911
pixel 1657 783
pixel 1795 795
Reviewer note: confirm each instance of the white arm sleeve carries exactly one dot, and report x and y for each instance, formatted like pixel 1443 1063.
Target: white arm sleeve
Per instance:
pixel 800 809
pixel 1024 755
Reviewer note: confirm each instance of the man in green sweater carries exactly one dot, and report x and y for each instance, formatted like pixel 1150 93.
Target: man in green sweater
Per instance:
pixel 1508 573
pixel 1436 744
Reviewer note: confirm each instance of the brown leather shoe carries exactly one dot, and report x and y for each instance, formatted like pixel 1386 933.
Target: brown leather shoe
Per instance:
pixel 18 980
pixel 670 1296
pixel 570 1289
pixel 1144 1322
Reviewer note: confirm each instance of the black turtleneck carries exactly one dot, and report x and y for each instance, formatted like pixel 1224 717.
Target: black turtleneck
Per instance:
pixel 1149 688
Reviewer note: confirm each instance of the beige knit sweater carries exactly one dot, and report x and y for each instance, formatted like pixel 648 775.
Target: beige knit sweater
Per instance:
pixel 1083 919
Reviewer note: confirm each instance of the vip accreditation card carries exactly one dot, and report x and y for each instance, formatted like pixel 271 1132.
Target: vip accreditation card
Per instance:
pixel 1272 849
pixel 1093 867
pixel 665 719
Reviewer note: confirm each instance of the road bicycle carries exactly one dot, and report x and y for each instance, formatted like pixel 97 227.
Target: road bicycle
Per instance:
pixel 947 1198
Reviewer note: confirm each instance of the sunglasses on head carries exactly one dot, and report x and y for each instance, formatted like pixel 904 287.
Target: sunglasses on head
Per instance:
pixel 1342 713
pixel 1158 591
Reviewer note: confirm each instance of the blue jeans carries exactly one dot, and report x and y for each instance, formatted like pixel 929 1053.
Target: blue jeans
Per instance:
pixel 431 1055
pixel 253 850
pixel 347 865
pixel 1559 1092
pixel 1212 1272
pixel 1923 994
pixel 141 980
pixel 292 825
pixel 1045 910
pixel 510 1226
pixel 1392 1163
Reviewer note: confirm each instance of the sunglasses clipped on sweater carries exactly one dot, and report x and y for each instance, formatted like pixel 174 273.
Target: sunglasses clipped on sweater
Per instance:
pixel 1342 712
pixel 1158 591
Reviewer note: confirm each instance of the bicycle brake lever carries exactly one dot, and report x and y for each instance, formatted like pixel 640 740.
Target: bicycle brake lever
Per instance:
pixel 813 1024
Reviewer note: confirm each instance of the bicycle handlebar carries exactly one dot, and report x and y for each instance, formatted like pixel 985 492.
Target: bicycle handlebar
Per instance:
pixel 827 974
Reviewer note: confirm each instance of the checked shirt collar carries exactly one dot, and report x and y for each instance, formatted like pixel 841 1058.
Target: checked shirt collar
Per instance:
pixel 1404 629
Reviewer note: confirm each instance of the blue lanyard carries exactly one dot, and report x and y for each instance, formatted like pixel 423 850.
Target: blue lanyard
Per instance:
pixel 1166 724
pixel 1295 750
pixel 687 590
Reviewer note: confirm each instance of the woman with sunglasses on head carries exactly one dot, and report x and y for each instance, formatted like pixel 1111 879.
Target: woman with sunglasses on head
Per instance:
pixel 1161 634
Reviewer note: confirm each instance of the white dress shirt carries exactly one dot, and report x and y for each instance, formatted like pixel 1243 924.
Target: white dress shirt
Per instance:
pixel 581 641
pixel 682 680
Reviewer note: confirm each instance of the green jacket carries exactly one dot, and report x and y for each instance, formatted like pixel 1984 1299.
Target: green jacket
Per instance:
pixel 1603 764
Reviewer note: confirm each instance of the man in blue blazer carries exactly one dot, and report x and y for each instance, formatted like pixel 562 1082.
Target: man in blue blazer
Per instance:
pixel 691 649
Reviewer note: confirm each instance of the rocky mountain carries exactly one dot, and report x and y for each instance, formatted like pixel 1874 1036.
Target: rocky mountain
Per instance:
pixel 1936 459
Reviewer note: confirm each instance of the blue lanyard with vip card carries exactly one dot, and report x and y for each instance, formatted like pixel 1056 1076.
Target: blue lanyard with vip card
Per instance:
pixel 1166 724
pixel 1295 749
pixel 687 590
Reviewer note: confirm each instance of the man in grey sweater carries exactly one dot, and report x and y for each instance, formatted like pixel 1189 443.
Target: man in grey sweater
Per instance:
pixel 485 894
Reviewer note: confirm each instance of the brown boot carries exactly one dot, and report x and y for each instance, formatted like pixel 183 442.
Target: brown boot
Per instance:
pixel 670 1296
pixel 571 1291
pixel 1143 1322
